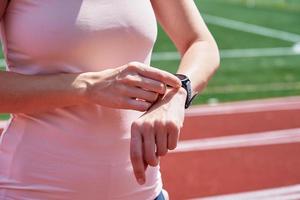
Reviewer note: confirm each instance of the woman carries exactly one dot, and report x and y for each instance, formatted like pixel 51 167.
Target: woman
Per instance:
pixel 88 112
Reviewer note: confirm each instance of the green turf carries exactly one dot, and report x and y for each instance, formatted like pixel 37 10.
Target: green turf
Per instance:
pixel 247 71
pixel 206 98
pixel 227 39
pixel 291 5
pixel 261 73
pixel 267 16
pixel 4 117
pixel 238 78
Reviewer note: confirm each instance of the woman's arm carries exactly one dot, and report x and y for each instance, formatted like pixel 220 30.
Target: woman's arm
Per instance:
pixel 34 93
pixel 131 86
pixel 185 26
pixel 3 5
pixel 157 131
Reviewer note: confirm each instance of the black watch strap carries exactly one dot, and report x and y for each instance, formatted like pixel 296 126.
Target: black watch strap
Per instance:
pixel 186 84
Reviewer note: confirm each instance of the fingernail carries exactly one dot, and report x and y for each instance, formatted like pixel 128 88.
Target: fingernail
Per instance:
pixel 141 181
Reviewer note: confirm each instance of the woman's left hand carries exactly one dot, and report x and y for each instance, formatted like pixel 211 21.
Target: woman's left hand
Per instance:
pixel 156 131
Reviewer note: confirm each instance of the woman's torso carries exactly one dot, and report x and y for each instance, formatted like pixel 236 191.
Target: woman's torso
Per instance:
pixel 78 152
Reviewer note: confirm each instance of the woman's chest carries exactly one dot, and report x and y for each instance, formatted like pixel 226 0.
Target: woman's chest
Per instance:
pixel 58 28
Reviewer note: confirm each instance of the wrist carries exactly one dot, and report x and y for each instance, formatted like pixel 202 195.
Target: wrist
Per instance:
pixel 175 94
pixel 172 98
pixel 80 86
pixel 187 85
pixel 182 92
pixel 93 86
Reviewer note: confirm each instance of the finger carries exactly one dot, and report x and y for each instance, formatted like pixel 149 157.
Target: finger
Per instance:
pixel 133 104
pixel 158 74
pixel 151 85
pixel 145 165
pixel 161 139
pixel 136 155
pixel 149 145
pixel 145 162
pixel 173 133
pixel 145 83
pixel 134 92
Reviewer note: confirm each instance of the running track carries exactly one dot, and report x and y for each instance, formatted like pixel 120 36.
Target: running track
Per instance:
pixel 245 150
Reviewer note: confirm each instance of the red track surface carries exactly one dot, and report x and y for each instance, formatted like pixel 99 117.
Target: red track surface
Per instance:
pixel 215 172
pixel 211 172
pixel 232 170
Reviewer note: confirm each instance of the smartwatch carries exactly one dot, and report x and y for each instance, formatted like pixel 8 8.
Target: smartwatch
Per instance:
pixel 186 84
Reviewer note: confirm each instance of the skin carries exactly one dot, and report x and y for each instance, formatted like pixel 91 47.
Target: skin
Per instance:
pixel 160 126
pixel 37 93
pixel 2 7
pixel 131 86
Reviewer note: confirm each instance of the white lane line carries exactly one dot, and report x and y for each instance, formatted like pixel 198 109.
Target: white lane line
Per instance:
pixel 281 193
pixel 252 106
pixel 259 52
pixel 165 56
pixel 295 196
pixel 247 88
pixel 3 124
pixel 251 28
pixel 236 53
pixel 2 62
pixel 244 140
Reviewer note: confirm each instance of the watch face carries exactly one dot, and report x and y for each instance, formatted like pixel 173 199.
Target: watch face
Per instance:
pixel 181 76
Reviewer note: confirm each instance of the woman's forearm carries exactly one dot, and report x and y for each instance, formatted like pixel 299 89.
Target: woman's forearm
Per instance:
pixel 131 86
pixel 35 93
pixel 199 63
pixel 183 23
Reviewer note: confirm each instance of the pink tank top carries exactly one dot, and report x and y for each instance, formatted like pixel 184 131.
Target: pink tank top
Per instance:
pixel 78 152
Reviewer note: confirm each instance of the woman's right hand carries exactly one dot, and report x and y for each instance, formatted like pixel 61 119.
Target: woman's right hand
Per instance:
pixel 133 86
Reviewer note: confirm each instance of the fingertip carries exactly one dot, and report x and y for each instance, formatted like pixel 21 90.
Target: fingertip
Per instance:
pixel 140 177
pixel 163 89
pixel 161 153
pixel 176 83
pixel 141 181
pixel 172 145
pixel 179 84
pixel 172 148
pixel 147 106
pixel 142 105
pixel 153 163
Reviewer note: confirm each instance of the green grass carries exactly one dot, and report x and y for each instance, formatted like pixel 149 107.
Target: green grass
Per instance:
pixel 267 16
pixel 236 73
pixel 292 5
pixel 259 73
pixel 4 117
pixel 246 78
pixel 226 39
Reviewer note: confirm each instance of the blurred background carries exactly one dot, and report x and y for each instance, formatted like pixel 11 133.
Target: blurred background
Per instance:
pixel 258 41
pixel 241 138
